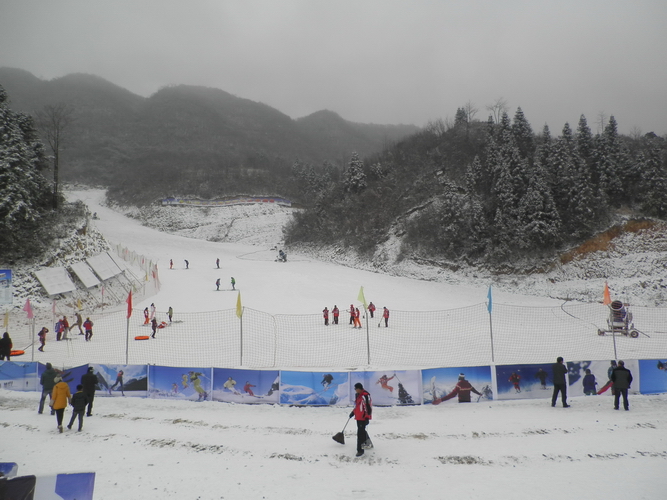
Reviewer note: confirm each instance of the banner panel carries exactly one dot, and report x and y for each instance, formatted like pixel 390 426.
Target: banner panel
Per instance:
pixel 315 388
pixel 246 386
pixel 19 376
pixel 524 381
pixel 601 371
pixel 464 384
pixel 653 376
pixel 389 388
pixel 192 383
pixel 121 380
pixel 67 486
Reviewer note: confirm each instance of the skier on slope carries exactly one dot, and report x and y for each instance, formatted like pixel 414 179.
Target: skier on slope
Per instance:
pixel 230 384
pixel 383 381
pixel 326 380
pixel 515 379
pixel 196 383
pixel 248 388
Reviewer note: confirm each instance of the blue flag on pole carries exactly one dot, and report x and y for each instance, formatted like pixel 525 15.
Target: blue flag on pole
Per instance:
pixel 489 306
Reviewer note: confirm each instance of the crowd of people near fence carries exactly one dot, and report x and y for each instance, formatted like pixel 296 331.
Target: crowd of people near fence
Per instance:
pixel 355 315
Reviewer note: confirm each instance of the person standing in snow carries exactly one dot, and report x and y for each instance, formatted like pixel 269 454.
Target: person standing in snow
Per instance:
pixel 48 382
pixel 89 383
pixel 217 263
pixel 88 327
pixel 357 318
pixel 78 401
pixel 170 313
pixel 589 383
pixel 385 315
pixel 6 346
pixel 171 263
pixel 352 314
pixel 336 312
pixel 42 338
pixel 362 413
pixel 147 318
pixel 233 283
pixel 60 398
pixel 154 326
pixel 78 322
pixel 622 378
pixel 187 265
pixel 325 313
pixel 560 382
pixel 65 328
pixel 610 382
pixel 371 309
pixel 217 284
pixel 153 310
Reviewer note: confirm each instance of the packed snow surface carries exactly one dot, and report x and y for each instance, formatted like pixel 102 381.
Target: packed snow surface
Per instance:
pixel 147 448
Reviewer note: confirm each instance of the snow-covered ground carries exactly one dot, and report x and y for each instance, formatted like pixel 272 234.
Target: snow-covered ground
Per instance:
pixel 144 448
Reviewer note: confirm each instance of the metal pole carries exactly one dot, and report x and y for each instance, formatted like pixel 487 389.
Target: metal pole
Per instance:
pixel 368 336
pixel 613 336
pixel 127 343
pixel 491 332
pixel 241 333
pixel 33 340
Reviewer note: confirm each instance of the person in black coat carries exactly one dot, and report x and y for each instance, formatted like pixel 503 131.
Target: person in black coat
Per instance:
pixel 560 382
pixel 622 379
pixel 47 381
pixel 5 346
pixel 89 382
pixel 79 401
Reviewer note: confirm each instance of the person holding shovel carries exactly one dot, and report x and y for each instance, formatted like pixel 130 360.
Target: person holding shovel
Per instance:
pixel 362 413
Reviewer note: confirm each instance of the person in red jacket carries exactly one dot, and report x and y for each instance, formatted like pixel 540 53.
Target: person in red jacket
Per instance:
pixel 325 313
pixel 88 327
pixel 352 314
pixel 335 313
pixel 248 388
pixel 362 413
pixel 515 378
pixel 462 389
pixel 357 318
pixel 371 309
pixel 385 315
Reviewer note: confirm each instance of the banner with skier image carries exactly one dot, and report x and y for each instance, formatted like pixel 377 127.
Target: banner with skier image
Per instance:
pixel 121 380
pixel 465 385
pixel 20 376
pixel 524 381
pixel 390 388
pixel 594 377
pixel 191 383
pixel 315 388
pixel 246 386
pixel 652 376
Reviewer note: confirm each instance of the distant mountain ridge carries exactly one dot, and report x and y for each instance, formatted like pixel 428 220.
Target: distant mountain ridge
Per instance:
pixel 187 140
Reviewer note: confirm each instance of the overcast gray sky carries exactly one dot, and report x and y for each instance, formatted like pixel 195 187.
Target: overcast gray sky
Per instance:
pixel 379 61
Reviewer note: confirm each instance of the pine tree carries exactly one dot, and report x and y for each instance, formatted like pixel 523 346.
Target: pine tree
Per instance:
pixel 354 178
pixel 523 134
pixel 654 182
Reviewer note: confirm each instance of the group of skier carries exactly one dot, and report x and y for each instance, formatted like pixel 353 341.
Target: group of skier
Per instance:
pixel 355 315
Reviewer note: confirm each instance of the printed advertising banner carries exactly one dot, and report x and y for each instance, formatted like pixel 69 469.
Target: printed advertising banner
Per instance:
pixel 524 381
pixel 246 386
pixel 121 380
pixel 19 376
pixel 653 376
pixel 192 384
pixel 315 388
pixel 465 385
pixel 389 388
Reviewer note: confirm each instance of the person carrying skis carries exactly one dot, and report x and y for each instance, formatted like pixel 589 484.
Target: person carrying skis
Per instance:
pixel 325 313
pixel 385 315
pixel 362 413
pixel 248 388
pixel 335 313
pixel 88 327
pixel 515 379
pixel 371 309
pixel 463 388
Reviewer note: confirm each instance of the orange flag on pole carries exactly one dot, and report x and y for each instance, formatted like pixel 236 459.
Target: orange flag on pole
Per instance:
pixel 606 297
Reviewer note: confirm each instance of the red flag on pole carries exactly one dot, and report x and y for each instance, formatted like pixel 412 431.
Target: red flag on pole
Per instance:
pixel 129 305
pixel 28 309
pixel 606 297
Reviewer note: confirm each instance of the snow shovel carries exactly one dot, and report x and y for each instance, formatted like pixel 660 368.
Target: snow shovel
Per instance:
pixel 340 437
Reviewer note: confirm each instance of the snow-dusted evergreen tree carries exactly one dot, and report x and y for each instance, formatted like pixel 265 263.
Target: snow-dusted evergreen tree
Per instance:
pixel 523 134
pixel 608 163
pixel 24 192
pixel 654 182
pixel 538 217
pixel 354 178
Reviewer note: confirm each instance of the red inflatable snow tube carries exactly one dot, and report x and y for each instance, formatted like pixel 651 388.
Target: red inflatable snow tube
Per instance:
pixel 17 353
pixel 141 337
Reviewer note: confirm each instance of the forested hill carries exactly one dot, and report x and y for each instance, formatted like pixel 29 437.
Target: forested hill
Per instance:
pixel 186 140
pixel 487 193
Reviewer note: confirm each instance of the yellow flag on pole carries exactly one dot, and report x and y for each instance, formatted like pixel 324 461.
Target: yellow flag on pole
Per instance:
pixel 5 323
pixel 361 298
pixel 606 297
pixel 239 308
pixel 79 305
